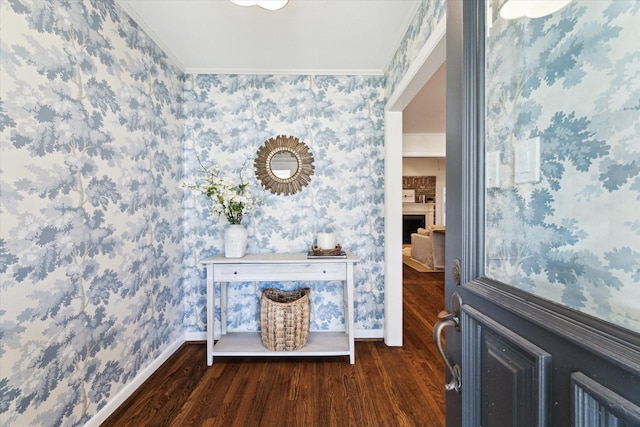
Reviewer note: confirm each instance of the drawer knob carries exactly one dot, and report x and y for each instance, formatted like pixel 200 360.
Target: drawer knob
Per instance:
pixel 235 272
pixel 324 271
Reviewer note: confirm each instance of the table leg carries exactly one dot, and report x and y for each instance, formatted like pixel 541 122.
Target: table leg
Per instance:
pixel 223 307
pixel 349 320
pixel 210 313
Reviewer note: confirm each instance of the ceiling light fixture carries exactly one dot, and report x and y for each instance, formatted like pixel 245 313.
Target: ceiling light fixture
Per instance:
pixel 265 4
pixel 514 9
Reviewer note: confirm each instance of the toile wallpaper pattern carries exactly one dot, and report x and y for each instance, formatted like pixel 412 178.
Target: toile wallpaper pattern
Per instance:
pixel 100 246
pixel 571 81
pixel 91 225
pixel 428 15
pixel 340 118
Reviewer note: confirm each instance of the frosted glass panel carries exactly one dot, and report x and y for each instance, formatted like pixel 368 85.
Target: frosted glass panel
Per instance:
pixel 562 97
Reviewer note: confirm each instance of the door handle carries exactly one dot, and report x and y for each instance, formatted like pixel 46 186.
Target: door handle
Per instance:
pixel 448 319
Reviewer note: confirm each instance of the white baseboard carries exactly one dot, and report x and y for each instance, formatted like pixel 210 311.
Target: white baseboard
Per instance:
pixel 198 336
pixel 133 385
pixel 368 333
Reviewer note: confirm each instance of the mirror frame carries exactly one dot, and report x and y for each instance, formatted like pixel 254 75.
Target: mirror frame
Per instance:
pixel 265 174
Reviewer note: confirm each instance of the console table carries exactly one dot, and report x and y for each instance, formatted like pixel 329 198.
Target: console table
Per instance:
pixel 277 267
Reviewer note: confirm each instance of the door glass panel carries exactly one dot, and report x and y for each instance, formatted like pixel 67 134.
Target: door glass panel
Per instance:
pixel 562 141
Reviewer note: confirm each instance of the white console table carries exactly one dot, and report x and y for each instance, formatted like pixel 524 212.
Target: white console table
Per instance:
pixel 277 267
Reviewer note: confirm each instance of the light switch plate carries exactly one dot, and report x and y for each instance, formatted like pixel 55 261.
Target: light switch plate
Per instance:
pixel 493 169
pixel 526 168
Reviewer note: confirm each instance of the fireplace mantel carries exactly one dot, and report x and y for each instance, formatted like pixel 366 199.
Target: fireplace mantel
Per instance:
pixel 426 209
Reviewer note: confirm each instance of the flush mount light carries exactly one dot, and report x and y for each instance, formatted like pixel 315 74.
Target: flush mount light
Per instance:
pixel 265 4
pixel 514 9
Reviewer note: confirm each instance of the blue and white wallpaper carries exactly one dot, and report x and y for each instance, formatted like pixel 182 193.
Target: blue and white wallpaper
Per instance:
pixel 228 117
pixel 91 225
pixel 429 14
pixel 572 81
pixel 100 246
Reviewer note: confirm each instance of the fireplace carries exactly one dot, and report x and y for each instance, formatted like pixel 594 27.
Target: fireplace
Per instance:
pixel 410 224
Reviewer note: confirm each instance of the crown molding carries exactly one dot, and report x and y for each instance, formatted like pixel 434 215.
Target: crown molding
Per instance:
pixel 288 72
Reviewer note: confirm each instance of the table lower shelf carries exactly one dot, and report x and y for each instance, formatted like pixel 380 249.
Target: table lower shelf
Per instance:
pixel 250 344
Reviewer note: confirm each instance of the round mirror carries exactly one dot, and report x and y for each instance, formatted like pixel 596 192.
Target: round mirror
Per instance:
pixel 284 165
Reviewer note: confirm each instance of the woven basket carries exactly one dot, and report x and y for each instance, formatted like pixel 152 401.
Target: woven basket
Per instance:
pixel 284 318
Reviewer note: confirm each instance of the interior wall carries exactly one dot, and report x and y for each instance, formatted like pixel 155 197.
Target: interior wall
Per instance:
pixel 340 118
pixel 429 166
pixel 91 216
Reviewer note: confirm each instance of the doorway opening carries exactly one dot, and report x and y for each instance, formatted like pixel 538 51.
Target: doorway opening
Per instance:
pixel 428 61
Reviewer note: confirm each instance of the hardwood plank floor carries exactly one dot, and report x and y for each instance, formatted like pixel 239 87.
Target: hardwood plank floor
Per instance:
pixel 388 386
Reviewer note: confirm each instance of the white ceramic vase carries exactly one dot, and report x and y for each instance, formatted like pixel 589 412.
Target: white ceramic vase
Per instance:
pixel 235 241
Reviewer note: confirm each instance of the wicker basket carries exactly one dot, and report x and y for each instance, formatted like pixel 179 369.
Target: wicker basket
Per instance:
pixel 284 318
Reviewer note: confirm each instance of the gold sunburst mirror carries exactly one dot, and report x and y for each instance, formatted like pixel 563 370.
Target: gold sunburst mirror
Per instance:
pixel 284 165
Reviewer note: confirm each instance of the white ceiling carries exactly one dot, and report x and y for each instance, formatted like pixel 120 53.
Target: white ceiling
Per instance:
pixel 336 37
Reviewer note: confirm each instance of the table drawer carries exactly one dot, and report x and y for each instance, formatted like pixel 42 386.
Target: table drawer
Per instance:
pixel 258 272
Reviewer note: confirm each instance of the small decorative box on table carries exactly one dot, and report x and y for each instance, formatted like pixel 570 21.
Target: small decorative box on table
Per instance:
pixel 270 268
pixel 317 252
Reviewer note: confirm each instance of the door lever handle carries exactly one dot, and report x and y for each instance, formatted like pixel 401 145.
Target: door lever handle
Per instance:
pixel 447 319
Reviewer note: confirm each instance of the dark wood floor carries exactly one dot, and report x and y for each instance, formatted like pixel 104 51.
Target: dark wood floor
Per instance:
pixel 388 386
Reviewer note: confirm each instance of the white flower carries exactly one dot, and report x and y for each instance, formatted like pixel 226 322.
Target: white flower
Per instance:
pixel 229 200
